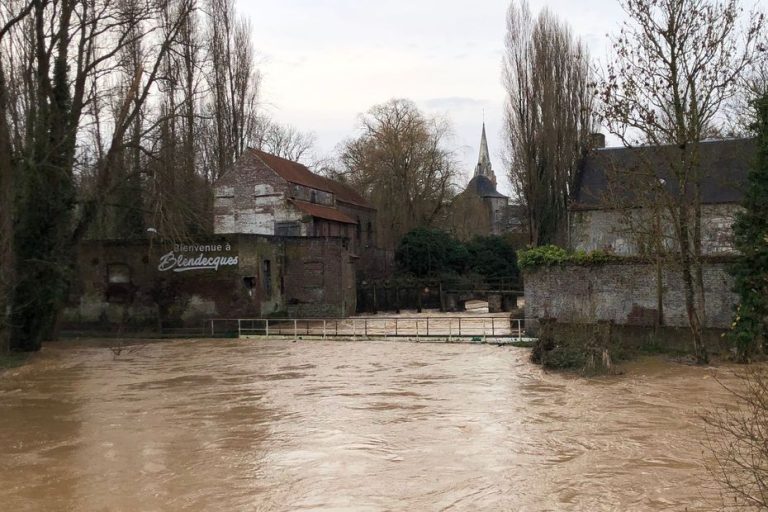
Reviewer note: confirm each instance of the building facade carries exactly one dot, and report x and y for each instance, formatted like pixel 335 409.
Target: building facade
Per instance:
pixel 267 195
pixel 142 284
pixel 287 243
pixel 619 206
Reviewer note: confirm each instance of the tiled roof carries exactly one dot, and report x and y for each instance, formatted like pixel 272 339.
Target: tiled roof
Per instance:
pixel 323 212
pixel 724 168
pixel 297 173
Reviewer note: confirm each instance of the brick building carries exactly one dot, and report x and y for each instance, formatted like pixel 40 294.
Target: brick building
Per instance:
pixel 617 208
pixel 287 243
pixel 141 284
pixel 617 196
pixel 267 195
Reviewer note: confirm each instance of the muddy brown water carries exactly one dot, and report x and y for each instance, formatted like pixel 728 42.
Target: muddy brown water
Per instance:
pixel 241 425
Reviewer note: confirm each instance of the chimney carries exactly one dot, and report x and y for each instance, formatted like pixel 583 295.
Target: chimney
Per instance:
pixel 596 140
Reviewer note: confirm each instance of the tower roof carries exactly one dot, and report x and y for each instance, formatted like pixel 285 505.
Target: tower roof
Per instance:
pixel 484 167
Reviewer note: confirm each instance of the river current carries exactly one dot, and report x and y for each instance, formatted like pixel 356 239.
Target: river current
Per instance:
pixel 231 425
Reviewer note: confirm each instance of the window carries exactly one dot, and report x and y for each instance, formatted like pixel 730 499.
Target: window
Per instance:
pixel 266 275
pixel 118 273
pixel 119 289
pixel 358 231
pixel 288 228
pixel 249 283
pixel 313 197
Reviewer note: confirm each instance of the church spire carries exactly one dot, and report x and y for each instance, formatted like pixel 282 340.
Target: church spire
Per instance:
pixel 484 161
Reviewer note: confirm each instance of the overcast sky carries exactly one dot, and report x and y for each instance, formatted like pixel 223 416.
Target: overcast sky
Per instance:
pixel 324 62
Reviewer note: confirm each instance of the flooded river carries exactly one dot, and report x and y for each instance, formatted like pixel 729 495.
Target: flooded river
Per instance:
pixel 243 425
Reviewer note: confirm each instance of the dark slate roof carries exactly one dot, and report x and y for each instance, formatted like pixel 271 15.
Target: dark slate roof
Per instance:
pixel 604 179
pixel 484 187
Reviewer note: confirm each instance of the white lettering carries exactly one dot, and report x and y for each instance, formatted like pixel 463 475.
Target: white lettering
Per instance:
pixel 180 263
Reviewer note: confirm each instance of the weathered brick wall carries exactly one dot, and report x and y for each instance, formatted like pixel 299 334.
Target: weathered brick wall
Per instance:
pixel 623 232
pixel 121 283
pixel 319 278
pixel 624 293
pixel 363 235
pixel 251 198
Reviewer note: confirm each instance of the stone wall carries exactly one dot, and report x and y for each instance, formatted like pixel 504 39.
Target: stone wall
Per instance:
pixel 624 293
pixel 625 232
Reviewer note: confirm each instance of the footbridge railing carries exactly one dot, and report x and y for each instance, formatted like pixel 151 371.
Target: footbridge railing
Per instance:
pixel 472 328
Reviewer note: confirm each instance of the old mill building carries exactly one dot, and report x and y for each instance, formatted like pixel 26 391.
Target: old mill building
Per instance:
pixel 287 242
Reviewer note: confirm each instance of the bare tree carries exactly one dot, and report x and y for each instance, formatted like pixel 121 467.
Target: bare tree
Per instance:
pixel 737 437
pixel 677 62
pixel 234 84
pixel 548 116
pixel 469 216
pixel 72 49
pixel 284 141
pixel 399 163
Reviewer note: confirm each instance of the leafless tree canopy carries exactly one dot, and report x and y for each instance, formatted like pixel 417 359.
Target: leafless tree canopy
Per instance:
pixel 116 116
pixel 548 115
pixel 401 165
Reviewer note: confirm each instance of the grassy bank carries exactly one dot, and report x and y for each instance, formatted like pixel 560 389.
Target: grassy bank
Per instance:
pixel 12 360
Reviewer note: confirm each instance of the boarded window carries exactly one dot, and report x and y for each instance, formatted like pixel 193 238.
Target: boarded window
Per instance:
pixel 118 273
pixel 288 228
pixel 119 289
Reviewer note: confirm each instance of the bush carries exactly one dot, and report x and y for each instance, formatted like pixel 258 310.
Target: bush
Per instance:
pixel 427 252
pixel 431 253
pixel 551 255
pixel 492 257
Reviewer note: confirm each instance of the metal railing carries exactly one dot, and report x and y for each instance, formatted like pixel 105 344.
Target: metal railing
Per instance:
pixel 449 328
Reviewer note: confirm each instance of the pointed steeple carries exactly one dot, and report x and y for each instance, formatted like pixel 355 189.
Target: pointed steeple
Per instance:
pixel 484 161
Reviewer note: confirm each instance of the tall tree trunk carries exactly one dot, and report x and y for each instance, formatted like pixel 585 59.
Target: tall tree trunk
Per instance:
pixel 7 200
pixel 687 270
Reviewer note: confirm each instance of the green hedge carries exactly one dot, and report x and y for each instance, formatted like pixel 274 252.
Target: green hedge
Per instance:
pixel 551 255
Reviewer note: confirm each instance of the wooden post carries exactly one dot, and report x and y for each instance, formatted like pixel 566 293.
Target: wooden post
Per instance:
pixel 418 292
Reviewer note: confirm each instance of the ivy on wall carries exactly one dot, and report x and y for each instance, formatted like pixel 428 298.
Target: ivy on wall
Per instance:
pixel 552 255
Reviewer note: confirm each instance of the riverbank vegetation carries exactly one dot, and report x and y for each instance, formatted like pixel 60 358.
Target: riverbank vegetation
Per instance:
pixel 12 360
pixel 552 255
pixel 737 438
pixel 425 253
pixel 750 324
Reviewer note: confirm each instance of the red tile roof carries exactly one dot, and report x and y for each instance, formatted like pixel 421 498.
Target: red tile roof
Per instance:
pixel 323 212
pixel 297 173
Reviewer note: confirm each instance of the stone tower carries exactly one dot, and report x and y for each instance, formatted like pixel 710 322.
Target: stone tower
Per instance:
pixel 484 167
